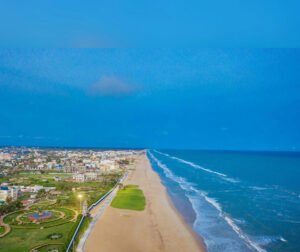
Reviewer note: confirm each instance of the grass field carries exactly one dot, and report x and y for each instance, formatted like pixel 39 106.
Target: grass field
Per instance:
pixel 2 229
pixel 26 234
pixel 24 239
pixel 130 197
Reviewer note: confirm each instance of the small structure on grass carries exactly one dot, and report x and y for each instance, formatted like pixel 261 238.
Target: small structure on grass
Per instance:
pixel 38 216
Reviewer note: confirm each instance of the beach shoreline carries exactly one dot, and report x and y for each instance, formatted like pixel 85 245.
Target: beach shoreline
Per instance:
pixel 187 225
pixel 160 227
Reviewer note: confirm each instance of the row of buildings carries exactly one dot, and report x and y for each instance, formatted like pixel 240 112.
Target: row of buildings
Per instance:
pixel 12 192
pixel 62 160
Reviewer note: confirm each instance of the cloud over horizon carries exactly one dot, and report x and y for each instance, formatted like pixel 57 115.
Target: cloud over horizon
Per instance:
pixel 112 86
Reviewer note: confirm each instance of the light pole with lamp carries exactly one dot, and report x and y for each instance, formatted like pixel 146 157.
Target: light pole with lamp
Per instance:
pixel 80 199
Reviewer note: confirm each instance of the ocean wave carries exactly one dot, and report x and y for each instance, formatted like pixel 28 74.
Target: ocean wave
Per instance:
pixel 266 240
pixel 282 239
pixel 284 190
pixel 231 223
pixel 259 188
pixel 222 175
pixel 242 222
pixel 187 186
pixel 232 180
pixel 290 221
pixel 183 183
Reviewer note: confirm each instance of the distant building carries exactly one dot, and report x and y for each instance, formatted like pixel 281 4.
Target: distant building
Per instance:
pixel 4 193
pixel 36 188
pixel 9 192
pixel 27 202
pixel 15 193
pixel 79 177
pixel 49 165
pixel 57 178
pixel 108 165
pixel 91 176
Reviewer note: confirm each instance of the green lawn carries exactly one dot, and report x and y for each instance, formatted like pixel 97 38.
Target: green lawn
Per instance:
pixel 130 197
pixel 2 229
pixel 27 235
pixel 20 240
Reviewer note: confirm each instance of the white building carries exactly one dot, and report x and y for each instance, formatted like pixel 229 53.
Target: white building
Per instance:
pixel 79 177
pixel 4 192
pixel 36 188
pixel 91 176
pixel 9 192
pixel 108 165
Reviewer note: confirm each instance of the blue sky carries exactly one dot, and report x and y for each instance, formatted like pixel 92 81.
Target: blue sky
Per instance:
pixel 116 23
pixel 155 98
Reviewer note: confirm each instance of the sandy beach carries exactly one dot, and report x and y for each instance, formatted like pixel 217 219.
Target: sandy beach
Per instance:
pixel 158 228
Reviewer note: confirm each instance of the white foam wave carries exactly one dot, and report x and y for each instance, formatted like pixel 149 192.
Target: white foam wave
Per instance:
pixel 239 221
pixel 192 164
pixel 291 221
pixel 185 185
pixel 259 188
pixel 222 175
pixel 231 223
pixel 232 180
pixel 282 239
pixel 266 240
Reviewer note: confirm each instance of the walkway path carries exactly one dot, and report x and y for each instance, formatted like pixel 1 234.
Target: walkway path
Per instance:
pixel 96 214
pixel 6 226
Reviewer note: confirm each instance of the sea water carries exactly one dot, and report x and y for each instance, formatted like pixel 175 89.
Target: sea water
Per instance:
pixel 236 201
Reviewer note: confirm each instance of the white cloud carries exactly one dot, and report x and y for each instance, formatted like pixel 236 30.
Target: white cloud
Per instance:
pixel 112 86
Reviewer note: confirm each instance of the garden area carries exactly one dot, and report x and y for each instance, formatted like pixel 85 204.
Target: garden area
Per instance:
pixel 49 223
pixel 2 230
pixel 35 228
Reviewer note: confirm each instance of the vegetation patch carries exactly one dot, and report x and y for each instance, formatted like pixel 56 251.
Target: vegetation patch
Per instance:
pixel 49 248
pixel 52 214
pixel 2 230
pixel 55 236
pixel 22 219
pixel 84 226
pixel 130 197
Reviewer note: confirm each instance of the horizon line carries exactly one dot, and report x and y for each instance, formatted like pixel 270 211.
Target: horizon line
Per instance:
pixel 144 148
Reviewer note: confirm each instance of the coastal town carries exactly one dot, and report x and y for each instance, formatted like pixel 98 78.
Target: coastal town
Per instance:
pixel 80 166
pixel 46 191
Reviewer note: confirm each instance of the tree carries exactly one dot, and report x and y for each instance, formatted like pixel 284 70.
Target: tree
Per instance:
pixel 8 199
pixel 41 193
pixel 10 207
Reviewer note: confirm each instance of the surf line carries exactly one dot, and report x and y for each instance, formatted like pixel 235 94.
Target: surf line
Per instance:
pixel 209 200
pixel 191 164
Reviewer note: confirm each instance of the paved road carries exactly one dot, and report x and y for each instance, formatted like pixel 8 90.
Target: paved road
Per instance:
pixel 107 201
pixel 97 215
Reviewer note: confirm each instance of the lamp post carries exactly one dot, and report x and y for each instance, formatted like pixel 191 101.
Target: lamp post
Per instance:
pixel 80 200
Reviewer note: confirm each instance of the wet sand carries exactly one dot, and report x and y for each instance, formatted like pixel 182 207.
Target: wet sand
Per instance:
pixel 158 228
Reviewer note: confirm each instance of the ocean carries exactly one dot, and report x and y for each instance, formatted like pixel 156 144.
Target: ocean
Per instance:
pixel 236 201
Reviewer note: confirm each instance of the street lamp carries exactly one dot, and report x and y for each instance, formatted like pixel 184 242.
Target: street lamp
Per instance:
pixel 80 199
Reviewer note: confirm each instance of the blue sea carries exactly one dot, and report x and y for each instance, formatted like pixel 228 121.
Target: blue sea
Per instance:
pixel 236 201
